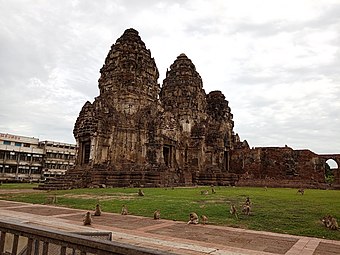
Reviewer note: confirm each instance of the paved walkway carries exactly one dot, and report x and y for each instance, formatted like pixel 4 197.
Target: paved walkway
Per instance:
pixel 173 236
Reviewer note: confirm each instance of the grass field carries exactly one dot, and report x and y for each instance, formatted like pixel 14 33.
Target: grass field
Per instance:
pixel 18 186
pixel 275 209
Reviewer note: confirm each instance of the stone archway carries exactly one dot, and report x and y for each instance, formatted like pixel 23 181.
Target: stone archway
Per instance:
pixel 332 167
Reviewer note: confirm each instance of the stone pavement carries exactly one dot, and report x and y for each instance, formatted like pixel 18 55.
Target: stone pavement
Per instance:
pixel 167 235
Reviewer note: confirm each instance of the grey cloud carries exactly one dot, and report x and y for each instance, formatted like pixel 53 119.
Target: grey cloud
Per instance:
pixel 303 127
pixel 202 26
pixel 328 17
pixel 37 39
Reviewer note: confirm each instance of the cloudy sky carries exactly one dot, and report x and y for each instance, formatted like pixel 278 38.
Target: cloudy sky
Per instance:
pixel 277 62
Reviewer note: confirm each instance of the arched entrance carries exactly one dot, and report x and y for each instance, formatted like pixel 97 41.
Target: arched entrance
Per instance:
pixel 331 168
pixel 331 165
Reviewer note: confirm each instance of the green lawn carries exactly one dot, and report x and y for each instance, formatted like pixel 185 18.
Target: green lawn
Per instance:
pixel 18 185
pixel 275 209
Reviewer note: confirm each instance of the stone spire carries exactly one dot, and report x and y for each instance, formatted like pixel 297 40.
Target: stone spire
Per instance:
pixel 87 122
pixel 217 107
pixel 182 91
pixel 129 69
pixel 220 121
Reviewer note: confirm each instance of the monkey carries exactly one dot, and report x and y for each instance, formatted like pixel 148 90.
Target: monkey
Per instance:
pixel 98 211
pixel 334 224
pixel 140 193
pixel 124 210
pixel 51 199
pixel 157 215
pixel 204 192
pixel 87 219
pixel 204 219
pixel 265 188
pixel 213 191
pixel 246 206
pixel 330 222
pixel 246 209
pixel 247 201
pixel 233 211
pixel 193 218
pixel 301 191
pixel 326 221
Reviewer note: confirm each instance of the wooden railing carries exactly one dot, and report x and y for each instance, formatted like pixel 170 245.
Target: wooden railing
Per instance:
pixel 24 239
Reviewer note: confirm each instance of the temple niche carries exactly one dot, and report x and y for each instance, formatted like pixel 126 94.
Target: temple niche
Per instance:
pixel 138 133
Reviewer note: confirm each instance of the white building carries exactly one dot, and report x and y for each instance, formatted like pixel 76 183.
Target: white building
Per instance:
pixel 25 158
pixel 58 157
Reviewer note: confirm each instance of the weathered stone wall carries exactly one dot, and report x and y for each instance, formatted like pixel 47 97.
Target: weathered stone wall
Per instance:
pixel 278 166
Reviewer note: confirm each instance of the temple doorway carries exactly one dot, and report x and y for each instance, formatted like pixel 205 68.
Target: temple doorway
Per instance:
pixel 85 152
pixel 167 155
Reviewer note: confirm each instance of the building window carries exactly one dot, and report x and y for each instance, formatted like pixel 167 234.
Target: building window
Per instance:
pixel 18 144
pixel 35 170
pixel 37 158
pixel 12 155
pixel 23 170
pixel 7 142
pixel 27 145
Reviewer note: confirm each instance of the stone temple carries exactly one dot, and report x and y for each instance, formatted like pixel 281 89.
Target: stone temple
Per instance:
pixel 138 133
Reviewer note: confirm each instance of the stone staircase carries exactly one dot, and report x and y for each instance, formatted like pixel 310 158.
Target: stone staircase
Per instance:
pixel 74 178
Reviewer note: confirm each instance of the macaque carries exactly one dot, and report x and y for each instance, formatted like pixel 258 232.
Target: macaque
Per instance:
pixel 233 211
pixel 301 191
pixel 157 215
pixel 265 188
pixel 247 201
pixel 193 218
pixel 124 210
pixel 246 209
pixel 330 222
pixel 204 192
pixel 98 211
pixel 140 193
pixel 51 199
pixel 213 191
pixel 326 221
pixel 87 219
pixel 334 224
pixel 204 219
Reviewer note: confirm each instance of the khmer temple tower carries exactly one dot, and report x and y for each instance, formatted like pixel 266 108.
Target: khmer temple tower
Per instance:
pixel 172 134
pixel 136 133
